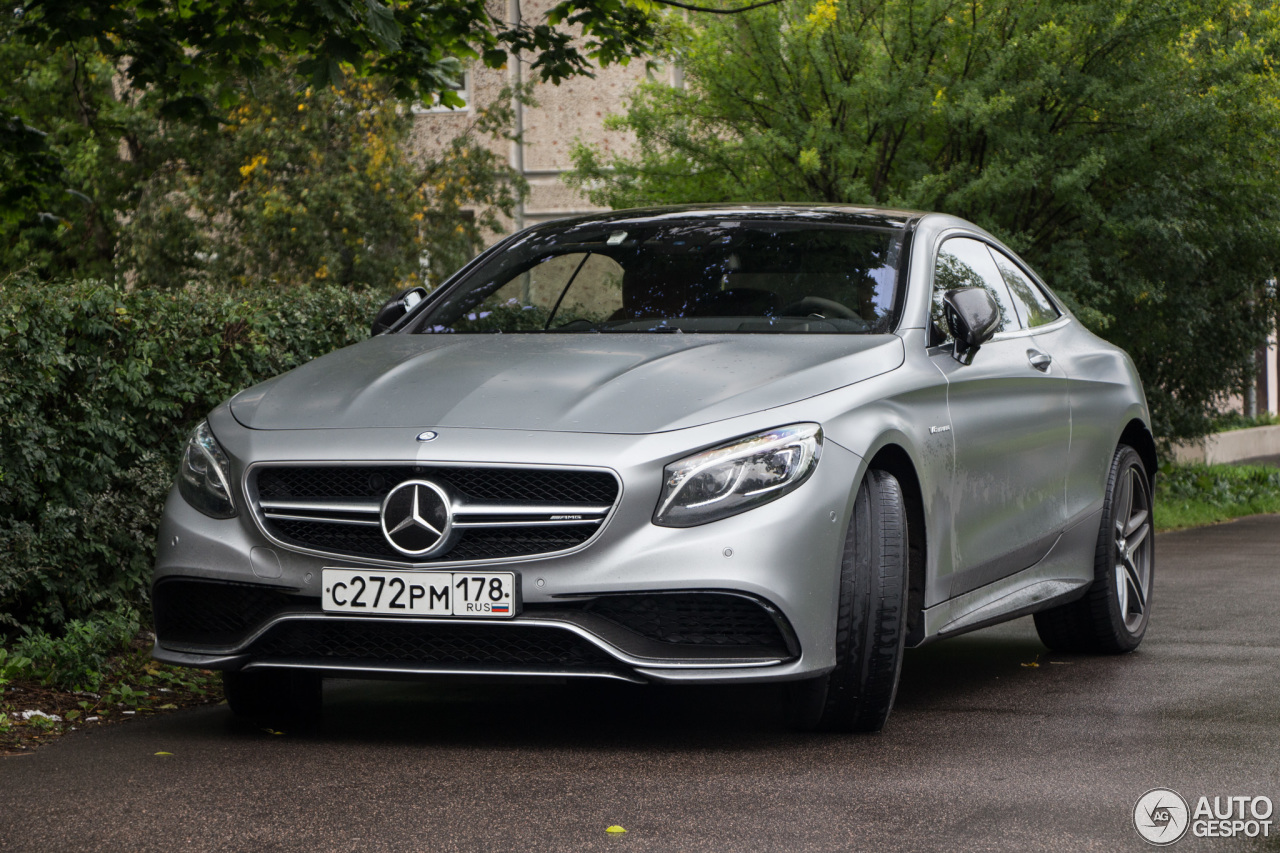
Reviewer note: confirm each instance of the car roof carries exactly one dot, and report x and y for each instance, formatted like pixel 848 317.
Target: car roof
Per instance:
pixel 847 214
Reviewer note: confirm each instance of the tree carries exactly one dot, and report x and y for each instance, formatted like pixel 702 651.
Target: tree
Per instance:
pixel 293 184
pixel 1127 150
pixel 190 55
pixel 189 61
pixel 308 185
pixel 62 166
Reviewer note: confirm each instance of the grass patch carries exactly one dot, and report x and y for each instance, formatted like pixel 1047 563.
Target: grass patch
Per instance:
pixel 98 672
pixel 1193 495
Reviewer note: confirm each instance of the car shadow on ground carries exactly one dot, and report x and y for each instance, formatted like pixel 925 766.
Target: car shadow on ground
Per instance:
pixel 606 714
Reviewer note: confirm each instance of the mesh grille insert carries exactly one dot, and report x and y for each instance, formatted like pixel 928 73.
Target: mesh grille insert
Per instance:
pixel 697 618
pixel 215 613
pixel 429 643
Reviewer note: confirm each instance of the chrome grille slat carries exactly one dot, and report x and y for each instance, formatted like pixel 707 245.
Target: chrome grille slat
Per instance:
pixel 464 509
pixel 525 515
pixel 526 523
pixel 283 516
pixel 314 507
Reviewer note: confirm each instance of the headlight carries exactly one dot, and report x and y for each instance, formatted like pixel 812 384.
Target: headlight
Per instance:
pixel 736 477
pixel 204 475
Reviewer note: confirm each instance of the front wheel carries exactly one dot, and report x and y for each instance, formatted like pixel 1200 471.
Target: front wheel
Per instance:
pixel 1112 616
pixel 858 694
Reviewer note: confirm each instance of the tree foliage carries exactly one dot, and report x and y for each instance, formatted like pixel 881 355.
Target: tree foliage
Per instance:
pixel 190 55
pixel 1128 150
pixel 296 185
pixel 94 81
pixel 82 147
pixel 306 185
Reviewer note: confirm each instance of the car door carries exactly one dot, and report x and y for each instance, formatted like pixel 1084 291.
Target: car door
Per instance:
pixel 1092 386
pixel 1011 430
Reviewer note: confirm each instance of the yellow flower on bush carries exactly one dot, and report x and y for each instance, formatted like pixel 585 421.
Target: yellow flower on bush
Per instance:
pixel 247 168
pixel 810 160
pixel 823 13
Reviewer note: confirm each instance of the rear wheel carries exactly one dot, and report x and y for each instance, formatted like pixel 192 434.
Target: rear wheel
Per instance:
pixel 871 624
pixel 281 696
pixel 1112 616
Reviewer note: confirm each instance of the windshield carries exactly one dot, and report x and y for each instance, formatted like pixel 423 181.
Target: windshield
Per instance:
pixel 680 276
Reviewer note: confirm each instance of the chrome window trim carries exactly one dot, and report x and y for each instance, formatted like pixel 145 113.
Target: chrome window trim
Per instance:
pixel 259 517
pixel 1062 320
pixel 1064 316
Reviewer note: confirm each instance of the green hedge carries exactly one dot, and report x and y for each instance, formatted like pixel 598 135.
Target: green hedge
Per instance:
pixel 98 388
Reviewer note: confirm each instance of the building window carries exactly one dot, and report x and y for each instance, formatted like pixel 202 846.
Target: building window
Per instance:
pixel 463 88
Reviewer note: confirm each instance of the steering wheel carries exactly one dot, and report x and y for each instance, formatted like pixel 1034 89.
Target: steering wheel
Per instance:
pixel 816 306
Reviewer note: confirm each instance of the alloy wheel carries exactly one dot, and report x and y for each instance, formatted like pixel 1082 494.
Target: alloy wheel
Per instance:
pixel 1133 548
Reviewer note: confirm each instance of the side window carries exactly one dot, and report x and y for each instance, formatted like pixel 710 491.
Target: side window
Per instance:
pixel 1035 308
pixel 594 295
pixel 562 289
pixel 963 262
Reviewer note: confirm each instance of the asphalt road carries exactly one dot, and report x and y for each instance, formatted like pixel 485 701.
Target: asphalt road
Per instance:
pixel 983 751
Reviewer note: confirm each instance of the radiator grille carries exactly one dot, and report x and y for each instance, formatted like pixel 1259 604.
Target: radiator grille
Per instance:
pixel 479 544
pixel 561 492
pixel 520 485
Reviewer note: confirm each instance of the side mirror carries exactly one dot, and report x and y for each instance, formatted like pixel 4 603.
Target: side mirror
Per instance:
pixel 395 308
pixel 973 316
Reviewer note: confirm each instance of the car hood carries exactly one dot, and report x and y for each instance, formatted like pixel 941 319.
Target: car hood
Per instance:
pixel 607 383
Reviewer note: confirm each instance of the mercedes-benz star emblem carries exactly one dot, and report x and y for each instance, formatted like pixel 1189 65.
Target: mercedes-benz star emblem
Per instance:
pixel 416 518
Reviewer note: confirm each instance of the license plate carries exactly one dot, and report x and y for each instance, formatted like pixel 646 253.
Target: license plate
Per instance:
pixel 478 594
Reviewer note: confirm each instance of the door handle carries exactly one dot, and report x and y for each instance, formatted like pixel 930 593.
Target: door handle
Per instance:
pixel 1039 360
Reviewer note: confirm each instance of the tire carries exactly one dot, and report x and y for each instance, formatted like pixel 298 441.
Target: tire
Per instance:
pixel 858 694
pixel 274 696
pixel 1112 616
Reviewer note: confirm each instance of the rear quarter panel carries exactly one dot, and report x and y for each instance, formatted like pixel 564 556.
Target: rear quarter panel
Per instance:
pixel 1105 394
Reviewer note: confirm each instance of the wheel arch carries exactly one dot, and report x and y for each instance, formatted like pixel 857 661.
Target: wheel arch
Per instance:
pixel 1137 436
pixel 894 460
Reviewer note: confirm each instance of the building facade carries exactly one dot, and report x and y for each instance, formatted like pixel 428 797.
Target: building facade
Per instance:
pixel 572 111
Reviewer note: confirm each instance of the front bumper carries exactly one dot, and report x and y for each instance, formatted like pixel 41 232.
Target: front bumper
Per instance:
pixel 220 625
pixel 779 562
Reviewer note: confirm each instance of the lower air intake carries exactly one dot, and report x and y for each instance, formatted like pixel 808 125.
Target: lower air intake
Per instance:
pixel 497 646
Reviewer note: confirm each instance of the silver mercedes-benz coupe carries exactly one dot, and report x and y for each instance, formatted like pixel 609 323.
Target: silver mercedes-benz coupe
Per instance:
pixel 734 443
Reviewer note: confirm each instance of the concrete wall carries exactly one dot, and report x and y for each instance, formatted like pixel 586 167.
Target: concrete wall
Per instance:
pixel 1232 446
pixel 573 110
